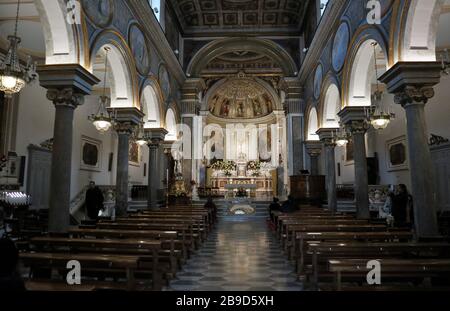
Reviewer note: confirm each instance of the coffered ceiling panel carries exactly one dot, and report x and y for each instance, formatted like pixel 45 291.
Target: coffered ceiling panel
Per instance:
pixel 231 16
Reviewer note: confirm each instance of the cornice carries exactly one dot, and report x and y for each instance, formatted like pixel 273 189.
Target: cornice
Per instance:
pixel 153 30
pixel 332 14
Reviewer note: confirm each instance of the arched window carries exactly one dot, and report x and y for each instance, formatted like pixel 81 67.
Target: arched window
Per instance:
pixel 156 6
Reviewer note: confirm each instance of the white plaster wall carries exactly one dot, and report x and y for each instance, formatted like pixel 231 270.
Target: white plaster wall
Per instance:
pixel 35 125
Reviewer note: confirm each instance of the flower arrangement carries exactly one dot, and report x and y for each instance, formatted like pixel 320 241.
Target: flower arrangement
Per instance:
pixel 254 165
pixel 226 166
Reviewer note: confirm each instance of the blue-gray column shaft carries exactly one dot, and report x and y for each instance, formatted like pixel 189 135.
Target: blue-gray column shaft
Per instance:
pixel 122 173
pixel 331 177
pixel 361 176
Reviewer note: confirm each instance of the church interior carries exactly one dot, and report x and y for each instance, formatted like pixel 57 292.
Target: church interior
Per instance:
pixel 224 145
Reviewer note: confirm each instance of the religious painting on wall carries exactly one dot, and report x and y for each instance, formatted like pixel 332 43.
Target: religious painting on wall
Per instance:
pixel 91 151
pixel 397 154
pixel 134 154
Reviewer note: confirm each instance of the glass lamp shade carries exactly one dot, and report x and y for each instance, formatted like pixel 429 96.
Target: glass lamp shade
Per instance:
pixel 380 122
pixel 102 123
pixel 11 84
pixel 141 141
pixel 341 142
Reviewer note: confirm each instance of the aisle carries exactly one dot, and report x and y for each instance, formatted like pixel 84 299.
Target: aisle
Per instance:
pixel 242 255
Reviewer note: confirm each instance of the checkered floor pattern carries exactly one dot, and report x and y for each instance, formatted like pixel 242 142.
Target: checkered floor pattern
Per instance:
pixel 241 254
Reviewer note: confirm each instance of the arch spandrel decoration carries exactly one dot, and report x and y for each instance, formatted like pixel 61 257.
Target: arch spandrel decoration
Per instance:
pixel 241 98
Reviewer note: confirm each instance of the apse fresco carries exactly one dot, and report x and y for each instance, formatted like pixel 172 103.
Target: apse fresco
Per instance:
pixel 241 98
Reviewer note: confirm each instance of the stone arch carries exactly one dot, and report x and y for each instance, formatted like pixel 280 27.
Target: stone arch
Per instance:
pixel 329 102
pixel 359 67
pixel 122 67
pixel 270 90
pixel 312 124
pixel 65 43
pixel 171 125
pixel 419 21
pixel 151 104
pixel 222 46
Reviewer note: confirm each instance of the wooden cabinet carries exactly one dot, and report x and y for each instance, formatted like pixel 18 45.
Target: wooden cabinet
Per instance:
pixel 307 187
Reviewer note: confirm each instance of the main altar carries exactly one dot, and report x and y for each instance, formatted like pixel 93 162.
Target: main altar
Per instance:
pixel 250 179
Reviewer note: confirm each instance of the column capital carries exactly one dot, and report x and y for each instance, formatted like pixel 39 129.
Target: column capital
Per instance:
pixel 126 119
pixel 412 82
pixel 354 118
pixel 65 97
pixel 326 136
pixel 313 147
pixel 155 136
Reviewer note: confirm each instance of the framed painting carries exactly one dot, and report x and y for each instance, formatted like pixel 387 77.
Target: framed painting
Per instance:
pixel 91 154
pixel 397 154
pixel 134 154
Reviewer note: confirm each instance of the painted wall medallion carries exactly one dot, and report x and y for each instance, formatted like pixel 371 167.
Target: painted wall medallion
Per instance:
pixel 139 49
pixel 100 12
pixel 340 46
pixel 164 81
pixel 318 81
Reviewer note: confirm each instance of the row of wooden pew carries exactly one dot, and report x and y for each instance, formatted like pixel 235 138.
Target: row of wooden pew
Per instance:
pixel 142 251
pixel 336 252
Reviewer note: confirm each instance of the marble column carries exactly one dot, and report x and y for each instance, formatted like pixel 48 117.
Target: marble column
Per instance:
pixel 326 137
pixel 126 122
pixel 66 87
pixel 294 105
pixel 354 119
pixel 412 83
pixel 154 137
pixel 190 105
pixel 314 149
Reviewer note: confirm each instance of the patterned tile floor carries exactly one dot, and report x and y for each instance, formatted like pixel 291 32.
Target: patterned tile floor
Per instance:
pixel 241 254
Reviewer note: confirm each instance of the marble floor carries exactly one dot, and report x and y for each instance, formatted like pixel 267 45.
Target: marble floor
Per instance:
pixel 241 254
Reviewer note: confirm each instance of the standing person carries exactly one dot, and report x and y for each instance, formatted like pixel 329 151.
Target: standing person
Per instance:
pixel 210 205
pixel 9 278
pixel 94 201
pixel 401 207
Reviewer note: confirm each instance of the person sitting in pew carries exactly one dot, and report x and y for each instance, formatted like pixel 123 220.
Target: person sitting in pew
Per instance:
pixel 274 206
pixel 9 278
pixel 289 206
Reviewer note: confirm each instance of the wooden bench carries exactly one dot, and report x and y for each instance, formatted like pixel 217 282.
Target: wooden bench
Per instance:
pixel 302 237
pixel 389 268
pixel 320 253
pixel 128 263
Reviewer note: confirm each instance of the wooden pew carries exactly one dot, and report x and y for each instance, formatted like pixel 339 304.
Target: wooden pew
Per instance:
pixel 109 246
pixel 320 253
pixel 128 263
pixel 389 268
pixel 302 237
pixel 293 229
pixel 186 230
pixel 171 242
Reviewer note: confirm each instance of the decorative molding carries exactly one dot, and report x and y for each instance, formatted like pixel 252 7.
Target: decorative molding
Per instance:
pixel 414 94
pixel 65 97
pixel 436 140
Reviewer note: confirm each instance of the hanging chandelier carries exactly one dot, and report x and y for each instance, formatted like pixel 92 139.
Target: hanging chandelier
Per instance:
pixel 102 120
pixel 341 138
pixel 140 136
pixel 376 116
pixel 13 78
